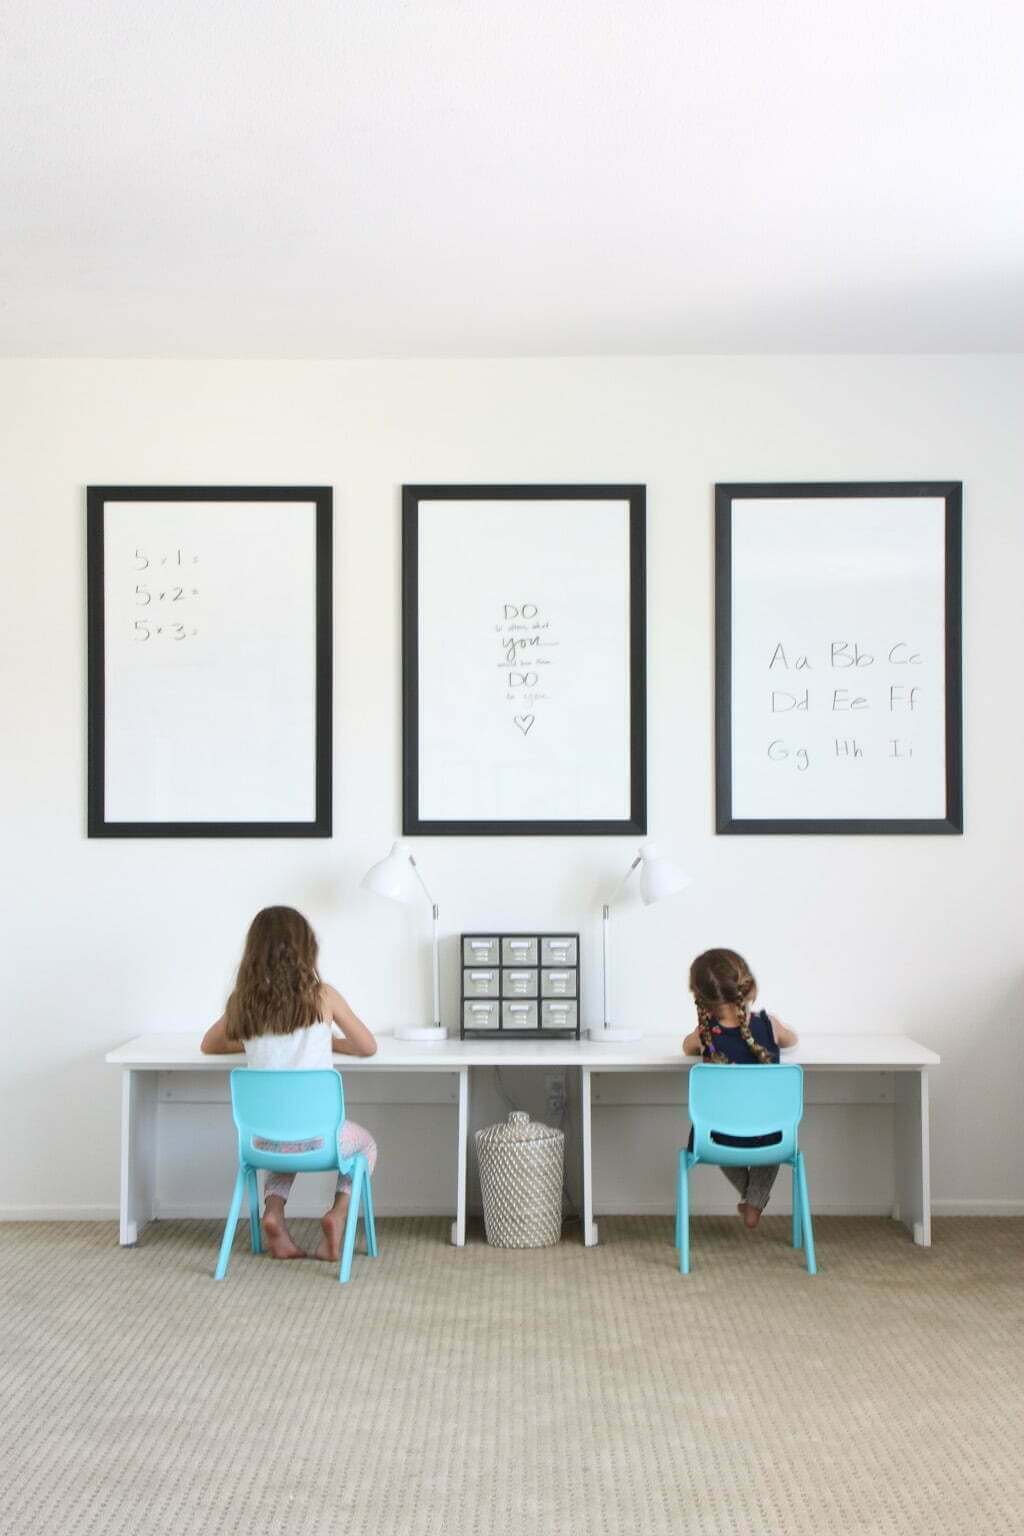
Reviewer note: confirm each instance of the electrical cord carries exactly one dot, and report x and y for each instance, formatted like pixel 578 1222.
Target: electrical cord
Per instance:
pixel 564 1125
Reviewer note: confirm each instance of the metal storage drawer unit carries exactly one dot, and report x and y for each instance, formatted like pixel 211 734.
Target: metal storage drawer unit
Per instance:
pixel 518 949
pixel 481 949
pixel 477 1015
pixel 559 950
pixel 558 983
pixel 555 1014
pixel 520 985
pixel 481 983
pixel 519 1015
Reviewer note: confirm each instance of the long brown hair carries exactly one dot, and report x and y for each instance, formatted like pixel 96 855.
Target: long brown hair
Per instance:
pixel 721 977
pixel 277 990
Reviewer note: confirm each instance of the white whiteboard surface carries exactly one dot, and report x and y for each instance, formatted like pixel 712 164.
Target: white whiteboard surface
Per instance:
pixel 524 660
pixel 838 658
pixel 209 661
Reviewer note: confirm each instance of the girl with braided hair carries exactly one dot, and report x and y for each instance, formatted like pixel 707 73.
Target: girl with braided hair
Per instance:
pixel 286 1018
pixel 728 1032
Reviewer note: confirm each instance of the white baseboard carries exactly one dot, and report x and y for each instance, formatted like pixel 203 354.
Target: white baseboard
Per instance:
pixel 58 1213
pixel 728 1208
pixel 298 1210
pixel 978 1207
pixel 210 1212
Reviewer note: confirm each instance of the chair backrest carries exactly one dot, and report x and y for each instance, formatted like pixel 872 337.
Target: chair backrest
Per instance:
pixel 732 1105
pixel 287 1107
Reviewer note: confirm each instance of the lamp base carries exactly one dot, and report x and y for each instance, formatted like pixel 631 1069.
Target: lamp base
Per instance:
pixel 425 1034
pixel 602 1035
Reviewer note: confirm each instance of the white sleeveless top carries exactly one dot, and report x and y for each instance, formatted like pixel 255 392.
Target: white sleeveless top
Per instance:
pixel 304 1049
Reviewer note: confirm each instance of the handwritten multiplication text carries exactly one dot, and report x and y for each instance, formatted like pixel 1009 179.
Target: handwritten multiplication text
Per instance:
pixel 207 692
pixel 168 591
pixel 524 637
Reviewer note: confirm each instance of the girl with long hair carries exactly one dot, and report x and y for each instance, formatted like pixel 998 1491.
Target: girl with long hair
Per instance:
pixel 285 1018
pixel 729 1032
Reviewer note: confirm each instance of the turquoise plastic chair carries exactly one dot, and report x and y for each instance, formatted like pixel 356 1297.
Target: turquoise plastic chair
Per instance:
pixel 729 1107
pixel 293 1106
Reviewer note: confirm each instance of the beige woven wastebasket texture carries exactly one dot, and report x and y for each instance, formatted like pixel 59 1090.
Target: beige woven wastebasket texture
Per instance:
pixel 521 1172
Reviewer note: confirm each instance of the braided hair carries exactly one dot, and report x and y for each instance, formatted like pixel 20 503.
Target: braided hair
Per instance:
pixel 718 978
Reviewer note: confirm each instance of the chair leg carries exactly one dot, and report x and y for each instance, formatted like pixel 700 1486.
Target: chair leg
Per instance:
pixel 229 1226
pixel 798 1237
pixel 349 1244
pixel 369 1224
pixel 255 1235
pixel 684 1215
pixel 805 1216
pixel 679 1200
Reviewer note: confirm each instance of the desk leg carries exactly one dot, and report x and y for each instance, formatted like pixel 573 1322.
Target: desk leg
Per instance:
pixel 913 1157
pixel 138 1160
pixel 459 1224
pixel 589 1224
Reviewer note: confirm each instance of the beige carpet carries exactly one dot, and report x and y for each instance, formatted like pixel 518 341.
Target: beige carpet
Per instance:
pixel 564 1391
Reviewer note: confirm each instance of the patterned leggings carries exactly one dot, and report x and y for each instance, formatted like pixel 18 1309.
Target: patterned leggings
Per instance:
pixel 351 1138
pixel 754 1184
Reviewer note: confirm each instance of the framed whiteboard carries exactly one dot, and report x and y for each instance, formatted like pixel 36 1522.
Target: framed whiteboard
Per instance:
pixel 524 674
pixel 209 661
pixel 838 640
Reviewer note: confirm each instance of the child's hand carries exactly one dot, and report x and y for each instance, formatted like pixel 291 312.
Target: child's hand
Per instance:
pixel 217 1042
pixel 356 1039
pixel 784 1038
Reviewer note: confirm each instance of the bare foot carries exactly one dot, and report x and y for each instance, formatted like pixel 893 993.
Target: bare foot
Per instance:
pixel 751 1217
pixel 277 1240
pixel 333 1224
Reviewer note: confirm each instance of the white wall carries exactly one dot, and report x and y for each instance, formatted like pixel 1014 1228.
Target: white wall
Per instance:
pixel 104 939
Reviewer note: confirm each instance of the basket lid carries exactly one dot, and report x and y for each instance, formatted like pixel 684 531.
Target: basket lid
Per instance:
pixel 518 1127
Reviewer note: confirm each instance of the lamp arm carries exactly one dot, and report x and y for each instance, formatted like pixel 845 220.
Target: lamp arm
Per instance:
pixel 437 974
pixel 433 948
pixel 613 898
pixel 606 937
pixel 423 883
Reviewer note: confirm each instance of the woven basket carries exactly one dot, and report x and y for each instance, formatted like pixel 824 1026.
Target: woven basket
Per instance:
pixel 521 1171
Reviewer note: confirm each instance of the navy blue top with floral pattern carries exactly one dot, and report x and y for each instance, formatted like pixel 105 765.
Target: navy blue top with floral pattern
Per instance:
pixel 729 1042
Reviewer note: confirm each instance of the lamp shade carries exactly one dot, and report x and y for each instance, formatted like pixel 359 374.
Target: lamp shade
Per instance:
pixel 393 877
pixel 659 877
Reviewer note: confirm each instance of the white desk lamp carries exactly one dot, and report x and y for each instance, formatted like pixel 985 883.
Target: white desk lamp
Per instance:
pixel 396 877
pixel 659 878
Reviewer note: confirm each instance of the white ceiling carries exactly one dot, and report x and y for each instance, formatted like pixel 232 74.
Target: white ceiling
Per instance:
pixel 324 178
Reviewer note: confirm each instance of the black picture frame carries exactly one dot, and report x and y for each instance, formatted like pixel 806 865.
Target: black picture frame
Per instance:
pixel 951 492
pixel 413 824
pixel 97 498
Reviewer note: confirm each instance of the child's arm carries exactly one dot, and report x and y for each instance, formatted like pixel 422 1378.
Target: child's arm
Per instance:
pixel 216 1042
pixel 784 1037
pixel 692 1044
pixel 356 1039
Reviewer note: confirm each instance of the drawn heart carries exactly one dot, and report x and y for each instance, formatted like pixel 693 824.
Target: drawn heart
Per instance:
pixel 524 722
